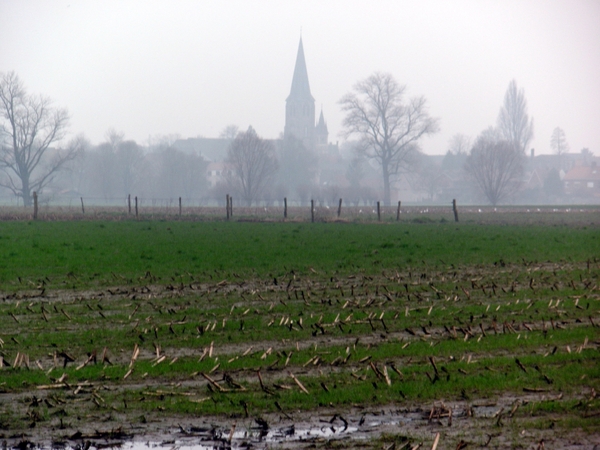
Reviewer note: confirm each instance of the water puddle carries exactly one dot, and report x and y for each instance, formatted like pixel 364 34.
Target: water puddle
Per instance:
pixel 258 433
pixel 212 438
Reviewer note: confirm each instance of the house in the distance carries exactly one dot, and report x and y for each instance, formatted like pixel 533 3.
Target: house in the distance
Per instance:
pixel 583 181
pixel 217 172
pixel 211 149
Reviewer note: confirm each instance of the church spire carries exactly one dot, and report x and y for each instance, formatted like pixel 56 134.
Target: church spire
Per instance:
pixel 321 123
pixel 321 132
pixel 300 86
pixel 300 105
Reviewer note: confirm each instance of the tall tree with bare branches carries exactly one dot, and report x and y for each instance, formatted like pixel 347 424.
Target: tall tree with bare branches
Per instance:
pixel 513 121
pixel 388 125
pixel 229 132
pixel 558 142
pixel 496 165
pixel 30 127
pixel 253 166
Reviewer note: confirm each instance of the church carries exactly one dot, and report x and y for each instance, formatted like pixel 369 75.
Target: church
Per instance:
pixel 300 111
pixel 299 122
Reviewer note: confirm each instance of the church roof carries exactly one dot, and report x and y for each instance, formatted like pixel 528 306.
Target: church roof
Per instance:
pixel 300 87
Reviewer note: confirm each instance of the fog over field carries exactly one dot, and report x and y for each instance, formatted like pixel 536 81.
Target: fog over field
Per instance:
pixel 157 91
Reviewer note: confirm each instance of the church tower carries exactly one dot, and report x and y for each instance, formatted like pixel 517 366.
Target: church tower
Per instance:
pixel 300 105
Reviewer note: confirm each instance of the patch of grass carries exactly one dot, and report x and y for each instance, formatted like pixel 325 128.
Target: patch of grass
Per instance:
pixel 81 254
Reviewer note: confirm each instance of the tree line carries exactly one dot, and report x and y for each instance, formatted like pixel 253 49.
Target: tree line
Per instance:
pixel 386 127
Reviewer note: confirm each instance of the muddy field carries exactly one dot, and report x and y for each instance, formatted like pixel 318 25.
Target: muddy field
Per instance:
pixel 498 356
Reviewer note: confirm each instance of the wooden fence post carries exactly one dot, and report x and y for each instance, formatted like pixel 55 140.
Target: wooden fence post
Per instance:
pixel 227 205
pixel 340 208
pixel 398 212
pixel 129 203
pixel 231 206
pixel 285 207
pixel 179 206
pixel 378 212
pixel 35 205
pixel 455 210
pixel 136 207
pixel 82 208
pixel 312 210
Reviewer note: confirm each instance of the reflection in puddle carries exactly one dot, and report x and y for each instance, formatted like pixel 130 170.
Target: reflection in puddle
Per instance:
pixel 210 439
pixel 259 434
pixel 346 431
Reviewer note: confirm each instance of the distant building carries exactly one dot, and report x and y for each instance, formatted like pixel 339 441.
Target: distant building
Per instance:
pixel 300 112
pixel 299 123
pixel 211 149
pixel 217 172
pixel 300 105
pixel 583 181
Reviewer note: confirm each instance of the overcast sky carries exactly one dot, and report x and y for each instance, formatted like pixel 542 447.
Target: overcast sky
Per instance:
pixel 193 67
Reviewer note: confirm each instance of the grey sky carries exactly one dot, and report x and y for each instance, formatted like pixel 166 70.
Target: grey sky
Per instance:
pixel 193 67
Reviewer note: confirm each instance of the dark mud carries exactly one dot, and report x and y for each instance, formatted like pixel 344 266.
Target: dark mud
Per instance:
pixel 484 423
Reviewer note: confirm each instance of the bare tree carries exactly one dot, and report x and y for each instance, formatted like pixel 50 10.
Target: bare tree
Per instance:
pixel 114 138
pixel 130 164
pixel 29 129
pixel 100 169
pixel 388 125
pixel 115 168
pixel 459 144
pixel 513 121
pixel 73 176
pixel 304 191
pixel 428 179
pixel 229 132
pixel 355 172
pixel 331 193
pixel 558 142
pixel 179 174
pixel 459 147
pixel 253 165
pixel 161 142
pixel 496 166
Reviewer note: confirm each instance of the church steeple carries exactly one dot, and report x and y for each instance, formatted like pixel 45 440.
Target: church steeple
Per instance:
pixel 300 87
pixel 300 105
pixel 321 131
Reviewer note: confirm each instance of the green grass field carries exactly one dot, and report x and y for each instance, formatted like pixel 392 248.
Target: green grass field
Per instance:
pixel 91 253
pixel 364 316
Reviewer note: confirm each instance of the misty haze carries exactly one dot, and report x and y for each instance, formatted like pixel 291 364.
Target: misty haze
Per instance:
pixel 256 224
pixel 391 141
